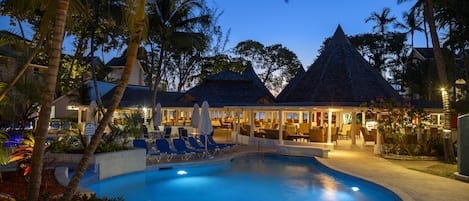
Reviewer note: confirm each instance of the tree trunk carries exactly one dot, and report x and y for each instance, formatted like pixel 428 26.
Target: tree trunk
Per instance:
pixel 44 114
pixel 440 65
pixel 135 39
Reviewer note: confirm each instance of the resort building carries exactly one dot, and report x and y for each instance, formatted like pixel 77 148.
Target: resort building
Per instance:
pixel 325 103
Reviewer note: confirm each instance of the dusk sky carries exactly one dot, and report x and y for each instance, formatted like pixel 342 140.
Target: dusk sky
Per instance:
pixel 299 25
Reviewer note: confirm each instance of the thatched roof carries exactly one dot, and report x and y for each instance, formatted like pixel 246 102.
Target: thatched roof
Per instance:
pixel 142 96
pixel 250 74
pixel 284 93
pixel 340 75
pixel 228 88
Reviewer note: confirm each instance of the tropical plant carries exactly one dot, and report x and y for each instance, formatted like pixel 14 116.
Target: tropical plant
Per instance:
pixel 23 153
pixel 381 19
pixel 136 12
pixel 412 24
pixel 175 26
pixel 398 122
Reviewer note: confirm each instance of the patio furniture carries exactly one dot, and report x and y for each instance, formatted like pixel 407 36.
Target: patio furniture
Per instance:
pixel 212 141
pixel 317 135
pixel 367 137
pixel 221 146
pixel 193 142
pixel 141 143
pixel 163 146
pixel 167 132
pixel 180 145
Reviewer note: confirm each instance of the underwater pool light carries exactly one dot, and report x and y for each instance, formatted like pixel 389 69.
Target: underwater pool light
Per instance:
pixel 181 172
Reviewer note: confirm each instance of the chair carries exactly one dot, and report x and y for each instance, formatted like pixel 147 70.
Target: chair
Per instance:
pixel 317 135
pixel 163 146
pixel 141 143
pixel 202 139
pixel 366 136
pixel 182 133
pixel 180 145
pixel 167 132
pixel 193 142
pixel 145 131
pixel 212 141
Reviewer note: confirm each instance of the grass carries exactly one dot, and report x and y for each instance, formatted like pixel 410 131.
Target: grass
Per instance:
pixel 440 169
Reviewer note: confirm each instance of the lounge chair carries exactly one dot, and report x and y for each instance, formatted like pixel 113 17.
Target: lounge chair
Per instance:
pixel 141 143
pixel 183 133
pixel 163 146
pixel 202 140
pixel 180 145
pixel 193 142
pixel 212 141
pixel 167 132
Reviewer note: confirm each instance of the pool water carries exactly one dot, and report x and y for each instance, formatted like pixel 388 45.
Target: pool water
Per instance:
pixel 251 177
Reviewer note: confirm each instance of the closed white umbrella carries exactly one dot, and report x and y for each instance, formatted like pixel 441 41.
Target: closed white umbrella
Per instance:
pixel 157 117
pixel 205 124
pixel 195 118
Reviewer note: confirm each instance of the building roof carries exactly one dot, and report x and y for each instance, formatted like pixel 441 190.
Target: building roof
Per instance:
pixel 426 53
pixel 135 96
pixel 291 84
pixel 229 88
pixel 340 74
pixel 117 61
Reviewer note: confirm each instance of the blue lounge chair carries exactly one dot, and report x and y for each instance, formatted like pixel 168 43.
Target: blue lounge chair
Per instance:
pixel 193 142
pixel 212 141
pixel 220 146
pixel 141 143
pixel 180 145
pixel 163 146
pixel 183 134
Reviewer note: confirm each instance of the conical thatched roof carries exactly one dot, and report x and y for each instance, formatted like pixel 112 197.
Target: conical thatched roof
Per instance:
pixel 340 75
pixel 229 88
pixel 284 93
pixel 250 74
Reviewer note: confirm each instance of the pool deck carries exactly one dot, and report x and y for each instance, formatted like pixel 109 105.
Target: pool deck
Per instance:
pixel 359 160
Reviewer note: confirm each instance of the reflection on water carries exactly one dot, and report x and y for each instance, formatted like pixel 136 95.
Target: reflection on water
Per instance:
pixel 253 177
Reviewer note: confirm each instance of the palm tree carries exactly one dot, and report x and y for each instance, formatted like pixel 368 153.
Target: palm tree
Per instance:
pixel 44 115
pixel 172 26
pixel 411 24
pixel 381 19
pixel 137 20
pixel 440 65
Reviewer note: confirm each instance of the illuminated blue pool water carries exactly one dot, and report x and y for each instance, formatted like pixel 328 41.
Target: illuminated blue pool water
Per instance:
pixel 254 177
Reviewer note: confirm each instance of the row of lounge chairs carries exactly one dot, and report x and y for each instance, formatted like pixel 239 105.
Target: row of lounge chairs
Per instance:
pixel 182 148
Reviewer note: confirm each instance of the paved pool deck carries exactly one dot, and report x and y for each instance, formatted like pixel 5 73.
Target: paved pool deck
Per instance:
pixel 410 185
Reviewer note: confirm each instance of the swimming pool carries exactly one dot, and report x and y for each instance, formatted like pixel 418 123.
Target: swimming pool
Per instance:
pixel 250 177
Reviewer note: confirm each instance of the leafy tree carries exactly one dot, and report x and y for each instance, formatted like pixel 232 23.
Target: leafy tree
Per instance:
pixel 137 19
pixel 276 64
pixel 220 62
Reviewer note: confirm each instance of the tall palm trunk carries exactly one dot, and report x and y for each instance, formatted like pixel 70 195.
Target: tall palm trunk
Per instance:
pixel 436 44
pixel 440 65
pixel 44 114
pixel 135 39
